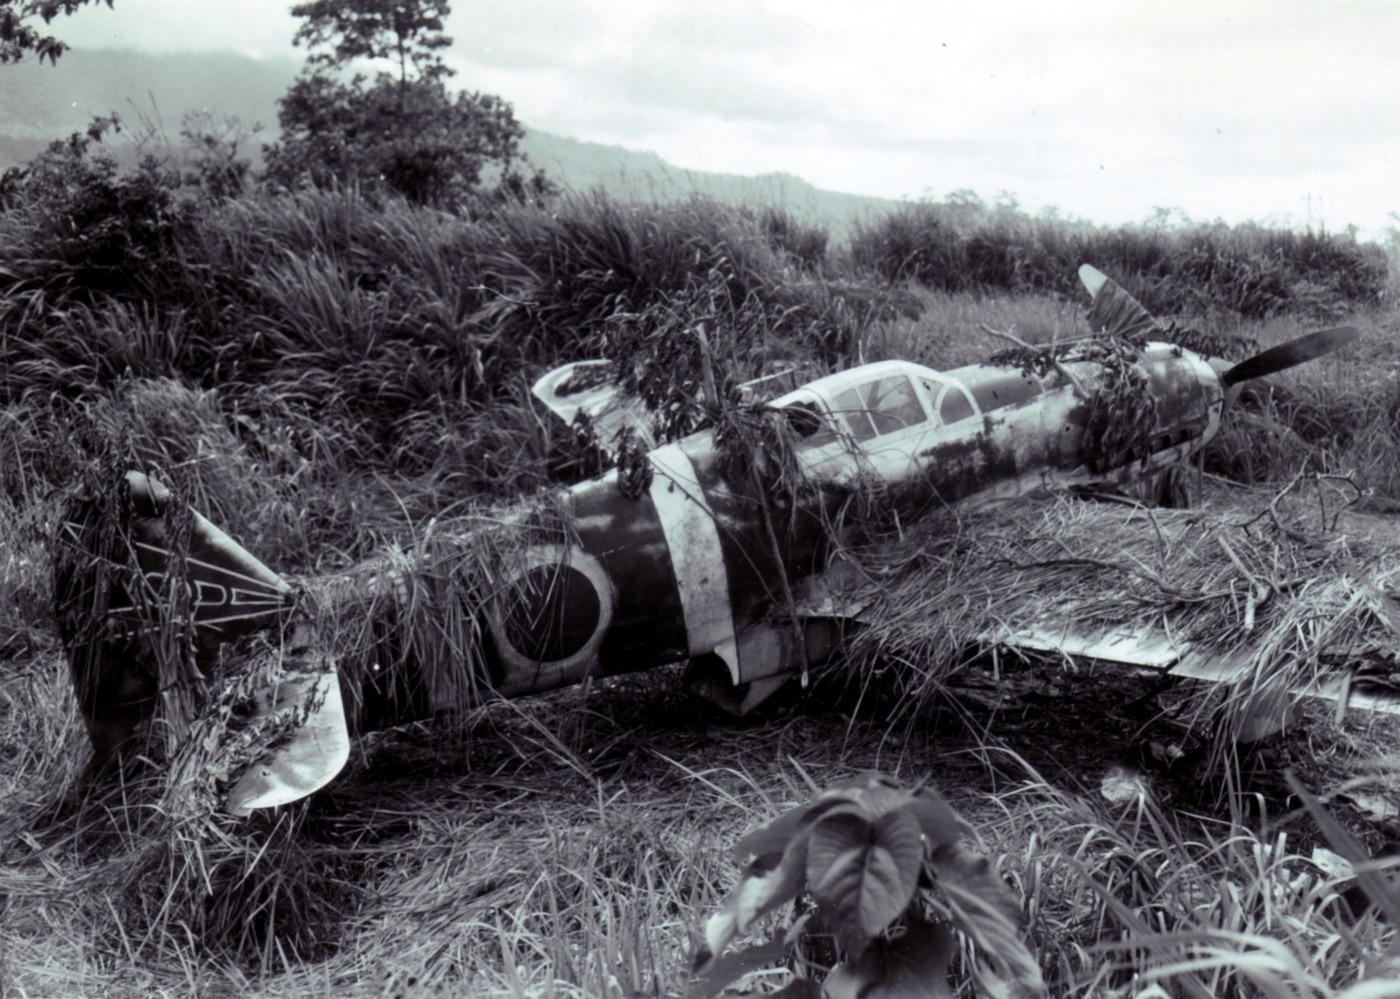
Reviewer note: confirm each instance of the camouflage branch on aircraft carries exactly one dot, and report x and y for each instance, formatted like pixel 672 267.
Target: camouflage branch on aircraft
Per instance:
pixel 684 554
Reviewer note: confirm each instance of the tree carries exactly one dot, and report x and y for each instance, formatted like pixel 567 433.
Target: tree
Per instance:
pixel 403 130
pixel 407 31
pixel 18 34
pixel 211 146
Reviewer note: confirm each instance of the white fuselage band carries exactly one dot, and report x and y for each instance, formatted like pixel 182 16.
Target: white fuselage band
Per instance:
pixel 688 524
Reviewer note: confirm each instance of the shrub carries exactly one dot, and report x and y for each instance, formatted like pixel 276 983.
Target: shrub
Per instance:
pixel 890 877
pixel 74 224
pixel 803 244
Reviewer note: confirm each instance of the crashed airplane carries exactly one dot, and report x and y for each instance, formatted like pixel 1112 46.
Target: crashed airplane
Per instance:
pixel 700 550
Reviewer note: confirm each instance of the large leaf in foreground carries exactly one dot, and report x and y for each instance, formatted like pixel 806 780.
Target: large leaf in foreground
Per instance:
pixel 768 882
pixel 720 970
pixel 989 913
pixel 863 873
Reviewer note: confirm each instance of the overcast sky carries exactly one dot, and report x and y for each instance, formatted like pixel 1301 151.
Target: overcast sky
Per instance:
pixel 1283 112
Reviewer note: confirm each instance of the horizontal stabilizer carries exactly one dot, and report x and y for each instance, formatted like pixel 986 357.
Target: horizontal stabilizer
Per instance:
pixel 317 750
pixel 581 387
pixel 1140 647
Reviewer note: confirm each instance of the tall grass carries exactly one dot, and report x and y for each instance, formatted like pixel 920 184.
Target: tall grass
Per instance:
pixel 568 853
pixel 324 376
pixel 1247 270
pixel 1126 898
pixel 408 334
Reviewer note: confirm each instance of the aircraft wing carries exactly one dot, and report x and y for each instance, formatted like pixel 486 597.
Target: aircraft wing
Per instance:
pixel 1151 648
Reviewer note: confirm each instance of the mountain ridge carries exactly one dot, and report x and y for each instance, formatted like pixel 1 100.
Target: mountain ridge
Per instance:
pixel 153 93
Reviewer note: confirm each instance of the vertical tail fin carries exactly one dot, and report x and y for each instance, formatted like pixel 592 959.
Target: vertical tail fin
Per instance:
pixel 110 570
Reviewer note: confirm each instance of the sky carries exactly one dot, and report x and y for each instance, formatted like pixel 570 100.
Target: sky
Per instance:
pixel 1281 112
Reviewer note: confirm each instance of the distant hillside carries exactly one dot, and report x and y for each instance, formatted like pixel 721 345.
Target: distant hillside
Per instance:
pixel 629 175
pixel 40 103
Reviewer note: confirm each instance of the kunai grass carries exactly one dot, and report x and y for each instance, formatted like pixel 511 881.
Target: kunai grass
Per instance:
pixel 1287 589
pixel 570 847
pixel 343 385
pixel 572 844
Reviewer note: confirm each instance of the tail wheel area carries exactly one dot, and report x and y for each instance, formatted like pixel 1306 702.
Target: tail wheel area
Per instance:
pixel 1172 489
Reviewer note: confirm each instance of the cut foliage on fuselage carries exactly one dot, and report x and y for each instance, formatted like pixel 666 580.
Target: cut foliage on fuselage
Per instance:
pixel 714 548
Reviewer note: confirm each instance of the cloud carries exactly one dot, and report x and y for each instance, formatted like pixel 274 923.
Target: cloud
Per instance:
pixel 1209 106
pixel 257 28
pixel 723 59
pixel 538 33
pixel 1244 106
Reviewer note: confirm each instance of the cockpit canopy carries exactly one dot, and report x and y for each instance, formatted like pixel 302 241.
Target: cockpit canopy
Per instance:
pixel 888 397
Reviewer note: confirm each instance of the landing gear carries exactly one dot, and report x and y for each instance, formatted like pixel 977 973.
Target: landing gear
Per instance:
pixel 1170 488
pixel 708 676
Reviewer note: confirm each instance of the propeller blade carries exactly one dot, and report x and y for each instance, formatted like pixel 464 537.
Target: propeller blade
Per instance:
pixel 1093 279
pixel 1287 355
pixel 1113 309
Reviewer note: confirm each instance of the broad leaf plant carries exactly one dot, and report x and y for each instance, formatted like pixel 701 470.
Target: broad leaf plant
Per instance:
pixel 891 878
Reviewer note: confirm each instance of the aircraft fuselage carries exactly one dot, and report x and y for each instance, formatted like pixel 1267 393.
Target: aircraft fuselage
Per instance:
pixel 703 557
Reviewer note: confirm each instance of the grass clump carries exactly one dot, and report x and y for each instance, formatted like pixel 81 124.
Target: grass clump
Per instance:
pixel 1288 598
pixel 1243 271
pixel 1126 897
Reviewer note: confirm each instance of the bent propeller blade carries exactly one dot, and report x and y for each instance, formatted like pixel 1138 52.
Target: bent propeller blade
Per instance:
pixel 1112 308
pixel 1305 348
pixel 1093 279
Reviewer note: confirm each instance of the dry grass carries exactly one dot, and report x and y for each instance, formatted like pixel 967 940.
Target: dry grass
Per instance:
pixel 572 845
pixel 1287 584
pixel 569 848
